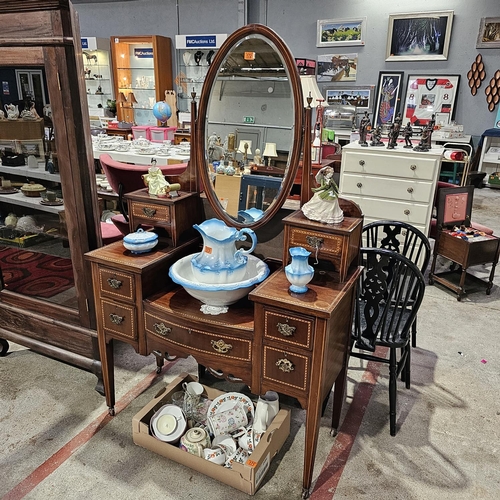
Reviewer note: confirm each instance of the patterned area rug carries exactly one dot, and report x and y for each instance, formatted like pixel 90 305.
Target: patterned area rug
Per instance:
pixel 35 274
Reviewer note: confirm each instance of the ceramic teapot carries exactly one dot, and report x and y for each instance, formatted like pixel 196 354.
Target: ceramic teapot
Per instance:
pixel 12 111
pixel 219 261
pixel 195 441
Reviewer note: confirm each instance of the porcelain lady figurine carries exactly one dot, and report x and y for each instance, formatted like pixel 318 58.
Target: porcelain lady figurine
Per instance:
pixel 299 273
pixel 219 261
pixel 324 205
pixel 155 181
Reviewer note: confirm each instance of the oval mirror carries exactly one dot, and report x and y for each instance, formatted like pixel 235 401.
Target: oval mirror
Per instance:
pixel 249 128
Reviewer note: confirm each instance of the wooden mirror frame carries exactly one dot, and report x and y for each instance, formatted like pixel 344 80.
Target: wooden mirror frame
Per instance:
pixel 298 132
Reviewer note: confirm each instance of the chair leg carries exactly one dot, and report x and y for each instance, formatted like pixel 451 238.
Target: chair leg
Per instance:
pixel 414 333
pixel 407 367
pixel 392 390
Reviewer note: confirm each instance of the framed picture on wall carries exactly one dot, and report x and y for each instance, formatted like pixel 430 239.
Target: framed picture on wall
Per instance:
pixel 419 36
pixel 337 68
pixel 361 97
pixel 489 33
pixel 341 32
pixel 428 95
pixel 31 147
pixel 387 97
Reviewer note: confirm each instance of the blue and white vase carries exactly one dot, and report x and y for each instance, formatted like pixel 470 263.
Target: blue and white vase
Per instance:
pixel 299 273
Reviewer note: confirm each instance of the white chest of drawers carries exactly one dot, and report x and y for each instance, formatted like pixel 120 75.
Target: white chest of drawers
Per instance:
pixel 397 184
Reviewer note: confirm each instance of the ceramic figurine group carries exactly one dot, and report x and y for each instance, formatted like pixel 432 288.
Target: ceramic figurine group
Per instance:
pixel 365 126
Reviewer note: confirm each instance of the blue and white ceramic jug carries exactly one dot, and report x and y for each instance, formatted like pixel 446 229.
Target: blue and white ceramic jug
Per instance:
pixel 299 273
pixel 219 261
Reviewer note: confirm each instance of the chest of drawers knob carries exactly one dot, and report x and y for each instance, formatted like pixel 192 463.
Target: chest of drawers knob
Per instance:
pixel 413 167
pixel 117 320
pixel 410 190
pixel 114 283
pixel 161 329
pixel 285 329
pixel 359 184
pixel 361 162
pixel 220 346
pixel 407 212
pixel 285 365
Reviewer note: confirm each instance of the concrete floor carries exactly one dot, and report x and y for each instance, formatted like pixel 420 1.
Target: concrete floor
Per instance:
pixel 59 442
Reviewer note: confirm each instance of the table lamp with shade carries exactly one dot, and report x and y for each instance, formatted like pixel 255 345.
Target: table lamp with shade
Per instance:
pixel 270 152
pixel 245 148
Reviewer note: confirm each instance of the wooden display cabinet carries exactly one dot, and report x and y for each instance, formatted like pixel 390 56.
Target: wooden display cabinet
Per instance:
pixel 142 66
pixel 48 37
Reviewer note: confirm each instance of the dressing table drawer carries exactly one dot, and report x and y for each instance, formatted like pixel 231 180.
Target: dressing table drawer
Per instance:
pixel 116 284
pixel 119 320
pixel 195 341
pixel 288 329
pixel 150 212
pixel 286 369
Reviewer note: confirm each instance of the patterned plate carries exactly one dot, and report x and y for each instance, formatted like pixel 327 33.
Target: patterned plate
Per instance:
pixel 229 400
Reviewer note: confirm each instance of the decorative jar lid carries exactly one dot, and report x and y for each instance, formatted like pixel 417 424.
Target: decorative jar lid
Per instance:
pixel 140 236
pixel 32 187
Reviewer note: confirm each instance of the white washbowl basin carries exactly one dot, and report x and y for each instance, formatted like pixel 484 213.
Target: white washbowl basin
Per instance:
pixel 217 296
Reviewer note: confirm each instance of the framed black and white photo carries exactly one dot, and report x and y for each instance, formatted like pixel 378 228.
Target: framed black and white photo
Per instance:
pixel 419 36
pixel 361 96
pixel 387 97
pixel 428 95
pixel 489 33
pixel 337 68
pixel 341 32
pixel 31 147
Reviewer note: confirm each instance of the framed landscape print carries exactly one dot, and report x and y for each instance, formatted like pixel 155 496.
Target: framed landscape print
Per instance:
pixel 428 95
pixel 489 33
pixel 387 97
pixel 337 68
pixel 361 97
pixel 341 32
pixel 419 36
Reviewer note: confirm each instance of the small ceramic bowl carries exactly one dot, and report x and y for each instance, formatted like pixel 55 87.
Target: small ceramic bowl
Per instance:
pixel 141 241
pixel 168 424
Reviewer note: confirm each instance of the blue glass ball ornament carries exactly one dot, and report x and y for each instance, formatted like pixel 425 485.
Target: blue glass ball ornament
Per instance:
pixel 162 111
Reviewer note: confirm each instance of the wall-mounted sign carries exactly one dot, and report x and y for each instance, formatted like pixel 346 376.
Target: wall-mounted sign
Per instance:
pixel 145 53
pixel 5 88
pixel 89 43
pixel 199 41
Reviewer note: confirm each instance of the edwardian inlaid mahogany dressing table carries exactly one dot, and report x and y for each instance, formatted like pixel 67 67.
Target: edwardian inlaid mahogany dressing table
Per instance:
pixel 295 344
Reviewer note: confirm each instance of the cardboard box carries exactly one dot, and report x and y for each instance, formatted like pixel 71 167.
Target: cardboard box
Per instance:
pixel 244 477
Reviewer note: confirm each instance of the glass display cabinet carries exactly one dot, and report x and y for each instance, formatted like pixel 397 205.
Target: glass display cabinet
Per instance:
pixel 98 81
pixel 45 287
pixel 142 72
pixel 194 56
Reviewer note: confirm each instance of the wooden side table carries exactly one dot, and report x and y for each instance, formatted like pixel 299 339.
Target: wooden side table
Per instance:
pixel 176 215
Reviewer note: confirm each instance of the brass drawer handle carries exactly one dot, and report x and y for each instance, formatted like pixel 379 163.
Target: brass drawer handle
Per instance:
pixel 413 167
pixel 285 329
pixel 285 365
pixel 410 190
pixel 220 346
pixel 359 185
pixel 149 212
pixel 407 212
pixel 114 283
pixel 161 329
pixel 314 241
pixel 361 162
pixel 117 320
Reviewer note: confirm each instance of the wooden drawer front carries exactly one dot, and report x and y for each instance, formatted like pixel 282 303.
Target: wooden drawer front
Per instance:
pixel 117 284
pixel 393 165
pixel 331 244
pixel 290 330
pixel 399 189
pixel 368 220
pixel 224 346
pixel 119 319
pixel 151 212
pixel 380 209
pixel 294 371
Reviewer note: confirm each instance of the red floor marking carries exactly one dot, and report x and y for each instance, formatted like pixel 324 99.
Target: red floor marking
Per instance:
pixel 330 475
pixel 60 456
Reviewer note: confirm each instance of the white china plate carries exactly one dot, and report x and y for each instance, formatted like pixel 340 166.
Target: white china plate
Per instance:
pixel 178 414
pixel 229 400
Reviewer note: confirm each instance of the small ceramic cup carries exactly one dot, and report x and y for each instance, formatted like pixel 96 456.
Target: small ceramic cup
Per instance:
pixel 6 184
pixel 50 196
pixel 215 455
pixel 240 456
pixel 226 443
pixel 228 421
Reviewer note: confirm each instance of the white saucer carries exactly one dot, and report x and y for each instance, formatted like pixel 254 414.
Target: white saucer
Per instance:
pixel 168 423
pixel 229 400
